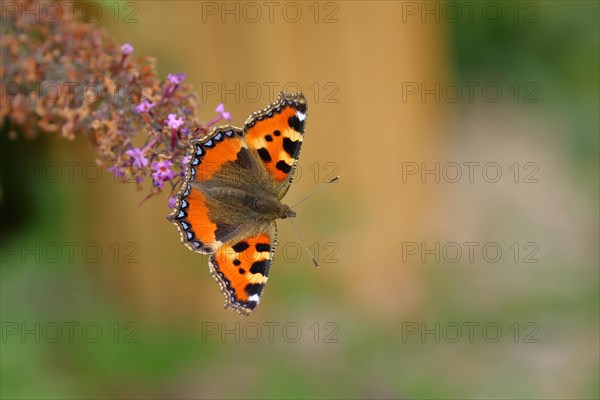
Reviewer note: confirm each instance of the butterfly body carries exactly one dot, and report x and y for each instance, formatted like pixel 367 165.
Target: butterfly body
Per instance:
pixel 231 197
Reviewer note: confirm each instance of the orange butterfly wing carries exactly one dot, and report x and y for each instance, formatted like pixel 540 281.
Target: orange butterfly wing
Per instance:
pixel 276 134
pixel 192 214
pixel 242 269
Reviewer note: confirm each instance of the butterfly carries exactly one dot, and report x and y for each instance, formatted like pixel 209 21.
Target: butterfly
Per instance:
pixel 231 196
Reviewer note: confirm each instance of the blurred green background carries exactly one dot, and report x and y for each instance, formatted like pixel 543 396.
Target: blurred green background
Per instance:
pixel 375 320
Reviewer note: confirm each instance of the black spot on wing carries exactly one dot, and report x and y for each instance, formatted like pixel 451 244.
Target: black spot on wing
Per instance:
pixel 240 246
pixel 236 262
pixel 268 138
pixel 264 154
pixel 260 247
pixel 295 123
pixel 260 267
pixel 242 271
pixel 291 146
pixel 277 133
pixel 254 288
pixel 283 166
pixel 250 305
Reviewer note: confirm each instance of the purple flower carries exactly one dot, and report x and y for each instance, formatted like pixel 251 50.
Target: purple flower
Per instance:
pixel 224 114
pixel 139 161
pixel 172 203
pixel 126 49
pixel 176 79
pixel 144 106
pixel 173 121
pixel 162 172
pixel 117 171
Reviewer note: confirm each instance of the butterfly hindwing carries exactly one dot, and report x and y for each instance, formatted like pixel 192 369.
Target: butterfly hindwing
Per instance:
pixel 275 134
pixel 194 213
pixel 242 268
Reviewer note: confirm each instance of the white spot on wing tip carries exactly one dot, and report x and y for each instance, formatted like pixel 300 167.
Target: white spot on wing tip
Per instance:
pixel 254 298
pixel 300 116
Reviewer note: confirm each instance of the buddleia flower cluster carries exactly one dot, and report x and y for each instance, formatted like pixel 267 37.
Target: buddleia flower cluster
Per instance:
pixel 68 77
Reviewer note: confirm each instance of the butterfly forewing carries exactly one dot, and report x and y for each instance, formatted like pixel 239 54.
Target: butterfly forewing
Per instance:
pixel 194 214
pixel 275 134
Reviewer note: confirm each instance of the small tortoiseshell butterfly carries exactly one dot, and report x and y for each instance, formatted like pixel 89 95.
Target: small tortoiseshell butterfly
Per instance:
pixel 230 198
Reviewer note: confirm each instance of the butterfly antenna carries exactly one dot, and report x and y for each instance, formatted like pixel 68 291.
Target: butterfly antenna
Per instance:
pixel 303 242
pixel 337 178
